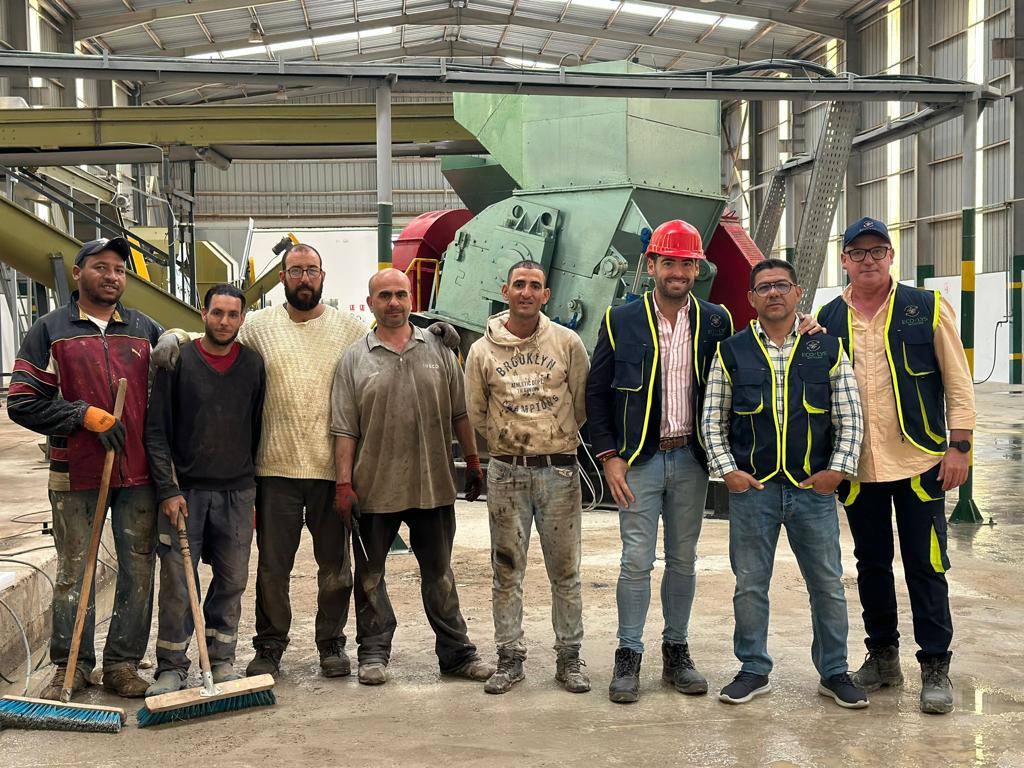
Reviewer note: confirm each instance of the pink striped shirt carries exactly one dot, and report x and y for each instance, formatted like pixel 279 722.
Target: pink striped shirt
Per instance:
pixel 676 372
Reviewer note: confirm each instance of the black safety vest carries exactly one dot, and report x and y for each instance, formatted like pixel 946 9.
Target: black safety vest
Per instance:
pixel 798 441
pixel 910 349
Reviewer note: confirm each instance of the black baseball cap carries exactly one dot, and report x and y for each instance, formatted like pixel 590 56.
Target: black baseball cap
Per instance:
pixel 865 226
pixel 118 245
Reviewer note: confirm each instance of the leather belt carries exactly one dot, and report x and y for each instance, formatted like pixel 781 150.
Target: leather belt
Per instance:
pixel 547 460
pixel 671 443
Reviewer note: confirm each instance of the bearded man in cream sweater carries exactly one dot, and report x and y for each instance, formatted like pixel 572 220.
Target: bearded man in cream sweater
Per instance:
pixel 301 342
pixel 525 386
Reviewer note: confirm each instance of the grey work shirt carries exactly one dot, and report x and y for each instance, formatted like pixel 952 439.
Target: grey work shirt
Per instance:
pixel 399 407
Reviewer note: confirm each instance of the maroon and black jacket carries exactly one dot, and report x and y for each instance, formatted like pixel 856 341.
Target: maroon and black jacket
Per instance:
pixel 66 364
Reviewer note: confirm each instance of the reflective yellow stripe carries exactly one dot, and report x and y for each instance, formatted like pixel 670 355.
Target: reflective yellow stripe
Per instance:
pixel 935 555
pixel 807 454
pixel 935 313
pixel 849 329
pixel 780 432
pixel 650 386
pixel 967 276
pixel 854 493
pixel 696 343
pixel 608 326
pixel 839 359
pixel 732 326
pixel 924 419
pixel 895 384
pixel 922 494
pixel 722 363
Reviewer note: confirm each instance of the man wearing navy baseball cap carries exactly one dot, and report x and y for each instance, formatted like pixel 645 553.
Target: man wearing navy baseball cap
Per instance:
pixel 914 387
pixel 66 391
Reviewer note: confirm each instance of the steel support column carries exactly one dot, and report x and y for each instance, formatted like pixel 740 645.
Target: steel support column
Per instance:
pixel 384 197
pixel 1017 151
pixel 923 183
pixel 966 511
pixel 854 168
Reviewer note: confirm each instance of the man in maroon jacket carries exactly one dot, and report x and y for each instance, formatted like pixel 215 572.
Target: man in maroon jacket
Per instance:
pixel 64 382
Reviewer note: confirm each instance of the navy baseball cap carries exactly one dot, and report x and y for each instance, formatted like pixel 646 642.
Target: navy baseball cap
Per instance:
pixel 866 226
pixel 118 245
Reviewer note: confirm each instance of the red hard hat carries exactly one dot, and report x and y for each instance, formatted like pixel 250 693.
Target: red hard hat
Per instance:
pixel 676 239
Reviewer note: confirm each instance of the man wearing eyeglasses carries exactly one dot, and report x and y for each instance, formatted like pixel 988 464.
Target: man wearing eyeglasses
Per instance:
pixel 915 385
pixel 783 426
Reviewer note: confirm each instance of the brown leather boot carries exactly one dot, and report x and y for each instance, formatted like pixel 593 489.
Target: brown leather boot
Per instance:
pixel 53 690
pixel 124 680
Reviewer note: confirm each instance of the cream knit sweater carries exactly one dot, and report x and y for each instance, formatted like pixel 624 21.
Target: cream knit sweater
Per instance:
pixel 300 359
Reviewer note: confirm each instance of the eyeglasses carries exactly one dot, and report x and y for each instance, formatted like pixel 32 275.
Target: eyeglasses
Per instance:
pixel 878 253
pixel 296 273
pixel 781 286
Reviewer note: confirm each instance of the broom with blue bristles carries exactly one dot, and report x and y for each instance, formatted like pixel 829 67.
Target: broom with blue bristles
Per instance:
pixel 47 715
pixel 210 699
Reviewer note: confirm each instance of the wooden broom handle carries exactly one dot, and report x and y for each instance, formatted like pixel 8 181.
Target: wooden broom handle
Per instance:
pixel 193 596
pixel 99 517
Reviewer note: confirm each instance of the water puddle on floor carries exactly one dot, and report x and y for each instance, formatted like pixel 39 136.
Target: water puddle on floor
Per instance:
pixel 985 701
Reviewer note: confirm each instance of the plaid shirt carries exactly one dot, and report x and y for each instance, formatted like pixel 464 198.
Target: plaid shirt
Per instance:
pixel 847 421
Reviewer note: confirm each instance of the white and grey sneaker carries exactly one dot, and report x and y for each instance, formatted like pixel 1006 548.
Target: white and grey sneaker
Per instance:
pixel 744 687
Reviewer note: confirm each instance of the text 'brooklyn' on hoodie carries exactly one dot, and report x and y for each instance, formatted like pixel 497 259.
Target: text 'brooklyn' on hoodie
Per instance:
pixel 527 396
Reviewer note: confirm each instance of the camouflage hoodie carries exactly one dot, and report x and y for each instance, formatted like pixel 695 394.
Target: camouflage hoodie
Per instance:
pixel 527 396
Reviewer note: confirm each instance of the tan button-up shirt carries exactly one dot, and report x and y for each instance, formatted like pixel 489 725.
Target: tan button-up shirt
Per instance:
pixel 885 454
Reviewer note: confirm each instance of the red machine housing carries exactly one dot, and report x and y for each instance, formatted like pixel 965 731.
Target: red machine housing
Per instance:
pixel 420 247
pixel 733 251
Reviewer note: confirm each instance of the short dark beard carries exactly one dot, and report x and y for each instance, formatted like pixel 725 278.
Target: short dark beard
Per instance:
pixel 212 340
pixel 303 305
pixel 97 299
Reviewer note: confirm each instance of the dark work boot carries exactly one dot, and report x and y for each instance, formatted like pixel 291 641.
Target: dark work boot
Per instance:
pixel 508 673
pixel 881 668
pixel 678 668
pixel 569 671
pixel 334 662
pixel 266 662
pixel 625 685
pixel 936 689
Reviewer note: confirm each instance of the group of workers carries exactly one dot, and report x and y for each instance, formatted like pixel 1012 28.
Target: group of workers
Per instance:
pixel 298 414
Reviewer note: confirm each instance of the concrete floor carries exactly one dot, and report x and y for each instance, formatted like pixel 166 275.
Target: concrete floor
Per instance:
pixel 419 719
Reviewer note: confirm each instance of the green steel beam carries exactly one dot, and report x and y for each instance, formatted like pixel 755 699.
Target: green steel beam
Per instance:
pixel 1016 322
pixel 202 125
pixel 28 243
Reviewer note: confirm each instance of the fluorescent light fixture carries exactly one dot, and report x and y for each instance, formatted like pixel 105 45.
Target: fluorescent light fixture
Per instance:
pixel 528 63
pixel 657 11
pixel 700 17
pixel 256 50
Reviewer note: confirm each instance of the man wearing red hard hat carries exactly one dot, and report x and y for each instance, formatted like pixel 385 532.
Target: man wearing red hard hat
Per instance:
pixel 644 394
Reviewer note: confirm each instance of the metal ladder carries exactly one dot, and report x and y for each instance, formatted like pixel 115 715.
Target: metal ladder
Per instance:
pixel 830 161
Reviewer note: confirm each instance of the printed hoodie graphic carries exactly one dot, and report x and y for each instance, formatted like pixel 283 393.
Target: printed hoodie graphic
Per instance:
pixel 526 396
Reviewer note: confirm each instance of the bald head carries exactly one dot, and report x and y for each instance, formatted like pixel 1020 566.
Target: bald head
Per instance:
pixel 390 298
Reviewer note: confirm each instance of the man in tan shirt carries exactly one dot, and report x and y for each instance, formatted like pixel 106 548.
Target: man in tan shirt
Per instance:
pixel 914 385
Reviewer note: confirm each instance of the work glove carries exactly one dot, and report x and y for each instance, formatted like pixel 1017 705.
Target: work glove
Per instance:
pixel 346 503
pixel 474 478
pixel 449 336
pixel 109 431
pixel 165 353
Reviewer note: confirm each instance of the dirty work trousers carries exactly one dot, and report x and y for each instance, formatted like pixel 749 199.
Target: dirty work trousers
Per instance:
pixel 133 523
pixel 670 486
pixel 431 535
pixel 921 525
pixel 283 506
pixel 518 497
pixel 219 533
pixel 812 527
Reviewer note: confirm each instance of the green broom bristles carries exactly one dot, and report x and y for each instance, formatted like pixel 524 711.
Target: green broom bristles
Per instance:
pixel 56 717
pixel 146 718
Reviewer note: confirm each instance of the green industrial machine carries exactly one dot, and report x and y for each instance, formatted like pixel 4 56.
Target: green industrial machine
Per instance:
pixel 575 184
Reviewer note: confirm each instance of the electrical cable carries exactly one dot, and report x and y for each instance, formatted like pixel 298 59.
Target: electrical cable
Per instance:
pixel 595 500
pixel 995 339
pixel 5 559
pixel 26 551
pixel 28 648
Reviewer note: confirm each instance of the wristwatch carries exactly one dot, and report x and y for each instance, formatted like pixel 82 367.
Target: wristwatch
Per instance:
pixel 964 446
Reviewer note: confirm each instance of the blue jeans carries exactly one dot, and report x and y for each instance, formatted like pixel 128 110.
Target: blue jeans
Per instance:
pixel 670 485
pixel 812 527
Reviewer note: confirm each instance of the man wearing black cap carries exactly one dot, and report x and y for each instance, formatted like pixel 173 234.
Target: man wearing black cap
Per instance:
pixel 63 386
pixel 914 386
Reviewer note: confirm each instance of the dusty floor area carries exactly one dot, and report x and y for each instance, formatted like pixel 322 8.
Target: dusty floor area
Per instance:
pixel 419 719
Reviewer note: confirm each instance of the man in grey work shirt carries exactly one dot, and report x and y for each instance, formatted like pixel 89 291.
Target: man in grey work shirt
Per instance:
pixel 397 398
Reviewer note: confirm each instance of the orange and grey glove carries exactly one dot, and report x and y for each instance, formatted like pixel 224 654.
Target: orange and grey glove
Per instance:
pixel 474 478
pixel 109 431
pixel 346 503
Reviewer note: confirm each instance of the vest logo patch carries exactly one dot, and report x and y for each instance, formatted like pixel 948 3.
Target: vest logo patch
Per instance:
pixel 912 310
pixel 813 345
pixel 716 321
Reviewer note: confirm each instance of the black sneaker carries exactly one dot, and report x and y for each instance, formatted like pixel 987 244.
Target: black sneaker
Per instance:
pixel 843 691
pixel 744 687
pixel 266 662
pixel 678 668
pixel 625 685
